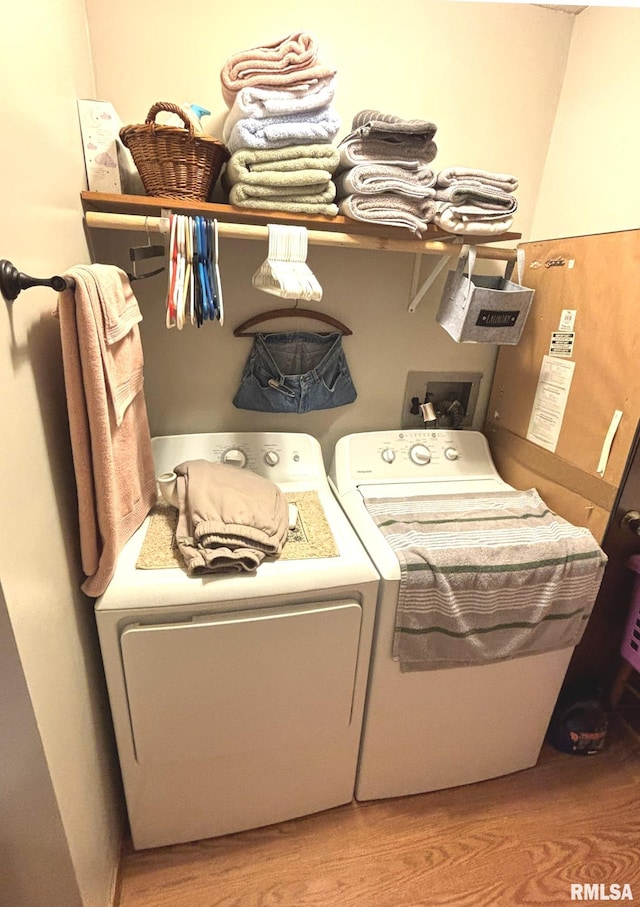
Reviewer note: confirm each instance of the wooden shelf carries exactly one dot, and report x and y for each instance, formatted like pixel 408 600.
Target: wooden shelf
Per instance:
pixel 130 211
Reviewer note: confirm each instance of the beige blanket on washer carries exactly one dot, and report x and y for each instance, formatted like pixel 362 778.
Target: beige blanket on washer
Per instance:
pixel 229 519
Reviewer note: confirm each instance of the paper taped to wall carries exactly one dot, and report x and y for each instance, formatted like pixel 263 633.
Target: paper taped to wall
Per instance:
pixel 550 402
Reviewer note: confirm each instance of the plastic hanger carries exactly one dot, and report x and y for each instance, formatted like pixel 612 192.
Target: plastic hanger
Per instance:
pixel 285 272
pixel 242 329
pixel 170 320
pixel 216 273
pixel 179 295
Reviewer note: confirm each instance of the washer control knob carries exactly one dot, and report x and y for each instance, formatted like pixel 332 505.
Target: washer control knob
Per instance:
pixel 451 453
pixel 388 455
pixel 420 454
pixel 234 457
pixel 271 458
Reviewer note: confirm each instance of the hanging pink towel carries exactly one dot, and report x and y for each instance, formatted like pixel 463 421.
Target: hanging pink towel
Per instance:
pixel 110 438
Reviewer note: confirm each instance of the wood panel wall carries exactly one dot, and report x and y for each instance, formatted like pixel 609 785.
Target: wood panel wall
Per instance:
pixel 599 277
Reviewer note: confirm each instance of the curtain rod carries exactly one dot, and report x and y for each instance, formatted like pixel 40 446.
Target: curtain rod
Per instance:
pixel 102 220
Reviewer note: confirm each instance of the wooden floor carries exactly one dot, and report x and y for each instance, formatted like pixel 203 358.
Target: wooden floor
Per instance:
pixel 519 840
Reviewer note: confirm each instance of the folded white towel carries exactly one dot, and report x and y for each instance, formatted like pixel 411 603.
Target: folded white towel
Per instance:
pixel 470 220
pixel 260 103
pixel 316 127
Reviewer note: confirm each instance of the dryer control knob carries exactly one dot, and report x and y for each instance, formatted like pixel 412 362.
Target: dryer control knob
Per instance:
pixel 271 458
pixel 388 455
pixel 420 454
pixel 451 453
pixel 234 457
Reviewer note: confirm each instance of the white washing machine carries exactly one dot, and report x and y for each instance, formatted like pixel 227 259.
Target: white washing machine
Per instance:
pixel 427 730
pixel 237 700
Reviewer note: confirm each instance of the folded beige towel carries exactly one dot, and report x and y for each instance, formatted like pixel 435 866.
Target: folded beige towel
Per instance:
pixel 113 463
pixel 295 165
pixel 313 205
pixel 310 195
pixel 229 518
pixel 290 61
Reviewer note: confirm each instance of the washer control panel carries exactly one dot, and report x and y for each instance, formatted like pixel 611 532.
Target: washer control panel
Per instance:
pixel 405 456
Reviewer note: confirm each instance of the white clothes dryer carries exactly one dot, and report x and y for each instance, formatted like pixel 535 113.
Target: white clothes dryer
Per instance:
pixel 237 700
pixel 427 730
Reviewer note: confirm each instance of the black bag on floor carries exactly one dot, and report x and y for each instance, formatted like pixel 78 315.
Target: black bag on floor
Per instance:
pixel 579 724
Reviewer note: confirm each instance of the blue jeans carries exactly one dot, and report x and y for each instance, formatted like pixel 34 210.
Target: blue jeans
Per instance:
pixel 295 372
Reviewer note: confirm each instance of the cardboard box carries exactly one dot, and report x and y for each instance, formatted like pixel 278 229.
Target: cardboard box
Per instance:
pixel 99 126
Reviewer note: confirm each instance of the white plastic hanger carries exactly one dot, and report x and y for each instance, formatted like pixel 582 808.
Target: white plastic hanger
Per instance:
pixel 285 272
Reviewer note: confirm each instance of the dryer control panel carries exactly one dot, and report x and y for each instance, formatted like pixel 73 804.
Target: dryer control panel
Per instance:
pixel 414 455
pixel 279 456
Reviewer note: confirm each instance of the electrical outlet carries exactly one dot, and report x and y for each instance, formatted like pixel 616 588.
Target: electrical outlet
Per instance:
pixel 453 394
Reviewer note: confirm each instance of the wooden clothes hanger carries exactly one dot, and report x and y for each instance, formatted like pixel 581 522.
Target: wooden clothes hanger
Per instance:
pixel 242 329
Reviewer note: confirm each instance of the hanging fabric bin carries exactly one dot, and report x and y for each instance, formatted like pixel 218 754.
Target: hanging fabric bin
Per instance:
pixel 174 162
pixel 484 309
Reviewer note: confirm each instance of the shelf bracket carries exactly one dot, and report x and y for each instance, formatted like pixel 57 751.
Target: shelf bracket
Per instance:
pixel 416 295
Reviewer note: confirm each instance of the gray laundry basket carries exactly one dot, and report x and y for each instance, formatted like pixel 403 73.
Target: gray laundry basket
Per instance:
pixel 483 309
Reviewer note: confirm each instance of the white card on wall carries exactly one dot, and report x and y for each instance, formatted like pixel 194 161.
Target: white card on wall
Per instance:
pixel 568 320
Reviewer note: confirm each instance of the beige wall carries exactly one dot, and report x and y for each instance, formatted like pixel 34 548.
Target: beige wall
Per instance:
pixel 474 69
pixel 591 182
pixel 44 66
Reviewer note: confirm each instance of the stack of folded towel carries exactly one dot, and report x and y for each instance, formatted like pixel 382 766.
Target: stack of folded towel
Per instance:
pixel 384 175
pixel 477 202
pixel 229 519
pixel 280 127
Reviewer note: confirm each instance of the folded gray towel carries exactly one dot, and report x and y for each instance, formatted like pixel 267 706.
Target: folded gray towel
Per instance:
pixel 482 197
pixel 229 519
pixel 369 121
pixel 374 179
pixel 451 175
pixel 394 210
pixel 415 150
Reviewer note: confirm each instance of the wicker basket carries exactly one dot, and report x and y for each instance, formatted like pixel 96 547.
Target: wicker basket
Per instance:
pixel 174 162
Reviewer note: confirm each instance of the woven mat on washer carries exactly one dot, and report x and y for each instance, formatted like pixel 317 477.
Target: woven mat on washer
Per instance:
pixel 311 538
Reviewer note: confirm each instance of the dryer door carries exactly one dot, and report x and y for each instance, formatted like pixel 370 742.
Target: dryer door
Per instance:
pixel 236 682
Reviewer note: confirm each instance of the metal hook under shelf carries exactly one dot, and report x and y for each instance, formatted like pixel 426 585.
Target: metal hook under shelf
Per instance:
pixel 13 282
